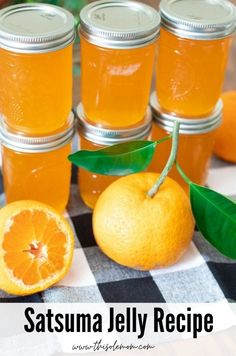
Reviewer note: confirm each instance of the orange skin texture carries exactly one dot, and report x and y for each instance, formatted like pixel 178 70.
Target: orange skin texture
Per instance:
pixel 25 269
pixel 141 232
pixel 225 145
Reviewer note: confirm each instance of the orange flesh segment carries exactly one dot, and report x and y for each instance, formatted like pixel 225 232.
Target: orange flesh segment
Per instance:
pixel 34 246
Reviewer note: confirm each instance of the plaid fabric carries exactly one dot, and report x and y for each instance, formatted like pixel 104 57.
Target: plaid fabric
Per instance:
pixel 202 275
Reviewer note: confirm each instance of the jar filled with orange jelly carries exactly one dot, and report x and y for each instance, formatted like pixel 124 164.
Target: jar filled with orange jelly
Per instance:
pixel 92 138
pixel 193 51
pixel 36 67
pixel 196 142
pixel 118 44
pixel 37 168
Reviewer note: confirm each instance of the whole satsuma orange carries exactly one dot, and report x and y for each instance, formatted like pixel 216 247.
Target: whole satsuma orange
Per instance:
pixel 141 232
pixel 225 145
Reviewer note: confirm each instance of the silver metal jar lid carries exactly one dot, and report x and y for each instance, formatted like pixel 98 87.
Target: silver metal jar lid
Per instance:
pixel 119 23
pixel 37 144
pixel 187 126
pixel 108 137
pixel 198 19
pixel 35 28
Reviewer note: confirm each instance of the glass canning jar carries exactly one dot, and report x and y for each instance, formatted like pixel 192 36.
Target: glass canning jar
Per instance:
pixel 193 50
pixel 37 168
pixel 196 142
pixel 91 185
pixel 36 67
pixel 118 43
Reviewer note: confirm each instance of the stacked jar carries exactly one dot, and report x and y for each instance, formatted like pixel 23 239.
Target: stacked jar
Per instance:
pixel 118 43
pixel 94 138
pixel 193 50
pixel 36 125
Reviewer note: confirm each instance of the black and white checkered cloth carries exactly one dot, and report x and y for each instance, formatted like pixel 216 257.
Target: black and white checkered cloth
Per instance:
pixel 202 275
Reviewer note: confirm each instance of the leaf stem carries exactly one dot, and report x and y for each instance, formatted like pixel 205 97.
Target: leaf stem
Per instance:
pixel 163 139
pixel 181 172
pixel 170 162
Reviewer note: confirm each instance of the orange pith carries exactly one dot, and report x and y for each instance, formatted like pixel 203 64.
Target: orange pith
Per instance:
pixel 36 248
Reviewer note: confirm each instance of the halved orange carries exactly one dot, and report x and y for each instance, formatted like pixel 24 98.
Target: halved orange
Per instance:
pixel 36 247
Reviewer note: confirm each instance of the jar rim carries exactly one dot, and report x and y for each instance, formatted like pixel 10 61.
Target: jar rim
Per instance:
pixel 199 20
pixel 105 136
pixel 37 144
pixel 119 24
pixel 35 28
pixel 188 126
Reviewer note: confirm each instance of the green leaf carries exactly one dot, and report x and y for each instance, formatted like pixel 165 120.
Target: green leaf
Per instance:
pixel 215 217
pixel 117 160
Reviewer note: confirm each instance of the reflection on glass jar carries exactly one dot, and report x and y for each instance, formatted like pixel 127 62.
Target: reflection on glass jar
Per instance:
pixel 37 168
pixel 91 185
pixel 118 42
pixel 196 142
pixel 36 67
pixel 193 51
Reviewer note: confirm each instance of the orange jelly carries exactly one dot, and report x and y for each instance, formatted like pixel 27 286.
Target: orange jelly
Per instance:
pixel 118 42
pixel 196 142
pixel 36 67
pixel 91 185
pixel 193 51
pixel 37 168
